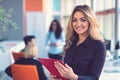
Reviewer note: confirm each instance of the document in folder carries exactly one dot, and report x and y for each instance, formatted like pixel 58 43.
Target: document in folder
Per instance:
pixel 49 64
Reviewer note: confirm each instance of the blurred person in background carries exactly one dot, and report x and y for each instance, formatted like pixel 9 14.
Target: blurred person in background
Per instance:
pixel 30 52
pixel 28 39
pixel 55 40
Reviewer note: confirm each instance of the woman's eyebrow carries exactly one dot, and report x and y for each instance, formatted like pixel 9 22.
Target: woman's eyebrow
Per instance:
pixel 79 18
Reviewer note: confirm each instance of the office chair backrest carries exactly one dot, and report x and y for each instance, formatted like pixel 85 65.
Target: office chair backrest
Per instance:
pixel 24 72
pixel 17 55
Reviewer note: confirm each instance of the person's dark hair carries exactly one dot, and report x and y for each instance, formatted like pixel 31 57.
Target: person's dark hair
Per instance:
pixel 28 38
pixel 58 28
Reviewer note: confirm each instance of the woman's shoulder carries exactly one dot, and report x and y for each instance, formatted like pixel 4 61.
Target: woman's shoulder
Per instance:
pixel 95 43
pixel 98 44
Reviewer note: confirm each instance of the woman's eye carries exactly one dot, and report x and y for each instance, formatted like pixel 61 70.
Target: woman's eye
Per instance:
pixel 82 20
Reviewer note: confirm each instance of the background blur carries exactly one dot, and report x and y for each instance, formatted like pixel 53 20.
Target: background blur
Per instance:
pixel 33 17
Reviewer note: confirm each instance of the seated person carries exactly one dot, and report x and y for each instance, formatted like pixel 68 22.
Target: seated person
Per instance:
pixel 28 39
pixel 31 51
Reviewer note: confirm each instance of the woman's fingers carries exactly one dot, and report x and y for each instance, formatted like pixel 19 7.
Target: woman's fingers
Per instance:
pixel 60 66
pixel 62 69
pixel 68 66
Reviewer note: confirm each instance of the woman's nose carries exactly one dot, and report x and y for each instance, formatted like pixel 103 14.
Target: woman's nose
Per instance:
pixel 79 23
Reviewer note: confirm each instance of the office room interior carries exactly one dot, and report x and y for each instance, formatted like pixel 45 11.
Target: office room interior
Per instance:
pixel 33 17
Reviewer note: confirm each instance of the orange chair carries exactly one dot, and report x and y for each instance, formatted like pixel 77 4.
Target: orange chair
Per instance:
pixel 24 72
pixel 17 55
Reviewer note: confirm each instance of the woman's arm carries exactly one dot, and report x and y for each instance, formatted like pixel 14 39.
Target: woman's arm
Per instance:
pixel 96 65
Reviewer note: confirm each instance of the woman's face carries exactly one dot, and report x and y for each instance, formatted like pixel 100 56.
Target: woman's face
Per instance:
pixel 80 23
pixel 54 26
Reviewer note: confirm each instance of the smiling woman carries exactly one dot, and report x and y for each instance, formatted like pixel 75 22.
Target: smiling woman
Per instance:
pixel 84 50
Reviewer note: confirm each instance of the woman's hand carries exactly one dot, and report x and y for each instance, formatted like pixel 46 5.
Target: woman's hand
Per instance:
pixel 65 71
pixel 55 44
